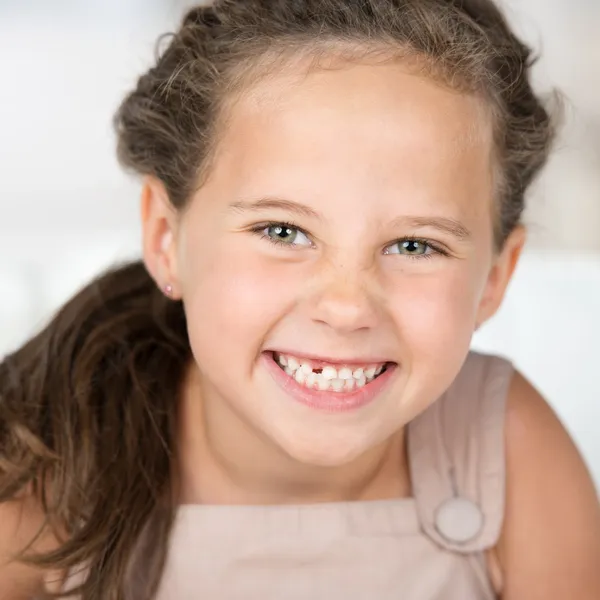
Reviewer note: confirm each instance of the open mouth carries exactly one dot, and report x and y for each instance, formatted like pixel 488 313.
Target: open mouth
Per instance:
pixel 329 377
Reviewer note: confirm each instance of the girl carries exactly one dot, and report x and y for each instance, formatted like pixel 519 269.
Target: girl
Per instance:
pixel 280 402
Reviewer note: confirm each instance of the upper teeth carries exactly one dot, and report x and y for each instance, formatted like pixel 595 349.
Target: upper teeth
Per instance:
pixel 330 378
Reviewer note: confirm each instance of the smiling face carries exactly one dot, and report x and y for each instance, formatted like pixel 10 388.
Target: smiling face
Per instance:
pixel 347 222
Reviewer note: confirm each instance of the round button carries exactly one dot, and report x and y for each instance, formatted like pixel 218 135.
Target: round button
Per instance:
pixel 459 520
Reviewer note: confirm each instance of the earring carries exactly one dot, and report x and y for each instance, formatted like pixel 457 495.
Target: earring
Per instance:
pixel 168 289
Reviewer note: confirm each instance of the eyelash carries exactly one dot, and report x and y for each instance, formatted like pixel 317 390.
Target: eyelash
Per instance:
pixel 261 227
pixel 435 248
pixel 260 231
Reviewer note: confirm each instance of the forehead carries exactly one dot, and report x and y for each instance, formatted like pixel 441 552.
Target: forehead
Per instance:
pixel 355 128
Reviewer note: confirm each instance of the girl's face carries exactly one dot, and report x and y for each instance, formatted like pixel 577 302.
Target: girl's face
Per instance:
pixel 347 226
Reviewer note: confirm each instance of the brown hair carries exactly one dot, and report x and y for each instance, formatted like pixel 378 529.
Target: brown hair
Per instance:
pixel 88 406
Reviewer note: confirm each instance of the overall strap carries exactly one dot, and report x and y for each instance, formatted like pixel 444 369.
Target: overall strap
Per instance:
pixel 457 458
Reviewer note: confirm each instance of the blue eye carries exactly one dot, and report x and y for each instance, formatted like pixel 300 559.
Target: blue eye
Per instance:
pixel 414 248
pixel 283 234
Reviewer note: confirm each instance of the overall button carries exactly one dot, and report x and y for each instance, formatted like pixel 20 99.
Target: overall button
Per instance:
pixel 459 520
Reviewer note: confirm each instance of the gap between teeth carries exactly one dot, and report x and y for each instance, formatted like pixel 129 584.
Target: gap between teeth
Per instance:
pixel 330 379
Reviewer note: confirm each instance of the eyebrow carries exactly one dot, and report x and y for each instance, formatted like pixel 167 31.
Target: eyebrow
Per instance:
pixel 271 203
pixel 450 226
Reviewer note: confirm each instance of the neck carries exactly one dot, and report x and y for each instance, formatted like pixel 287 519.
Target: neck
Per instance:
pixel 223 461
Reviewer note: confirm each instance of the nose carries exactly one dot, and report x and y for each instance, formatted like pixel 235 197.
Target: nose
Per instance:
pixel 345 302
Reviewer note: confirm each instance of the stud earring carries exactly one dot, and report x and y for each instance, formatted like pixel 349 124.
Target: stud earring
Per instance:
pixel 168 289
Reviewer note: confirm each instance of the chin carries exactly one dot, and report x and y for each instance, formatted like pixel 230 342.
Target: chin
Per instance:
pixel 322 453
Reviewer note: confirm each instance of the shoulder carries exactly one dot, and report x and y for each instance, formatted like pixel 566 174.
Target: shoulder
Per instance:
pixel 549 546
pixel 22 526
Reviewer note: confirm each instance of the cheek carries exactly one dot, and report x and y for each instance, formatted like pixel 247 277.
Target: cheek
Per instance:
pixel 234 296
pixel 436 310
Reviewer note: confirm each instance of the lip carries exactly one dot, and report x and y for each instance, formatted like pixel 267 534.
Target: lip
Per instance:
pixel 326 401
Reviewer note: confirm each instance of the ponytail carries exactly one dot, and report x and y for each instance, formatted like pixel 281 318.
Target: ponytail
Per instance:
pixel 88 413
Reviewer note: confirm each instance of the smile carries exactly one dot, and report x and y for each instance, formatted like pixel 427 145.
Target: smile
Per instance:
pixel 326 386
pixel 315 375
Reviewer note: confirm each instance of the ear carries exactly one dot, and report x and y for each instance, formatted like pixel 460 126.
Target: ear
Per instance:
pixel 159 235
pixel 500 275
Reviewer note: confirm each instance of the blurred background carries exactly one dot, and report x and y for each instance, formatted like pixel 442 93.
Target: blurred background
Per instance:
pixel 67 211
